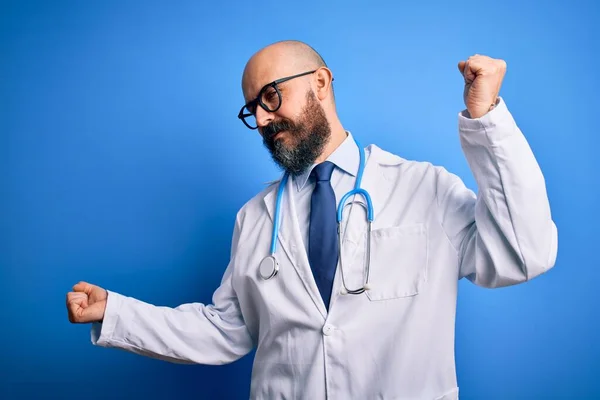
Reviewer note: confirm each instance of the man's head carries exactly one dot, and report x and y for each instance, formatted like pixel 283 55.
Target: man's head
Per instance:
pixel 289 98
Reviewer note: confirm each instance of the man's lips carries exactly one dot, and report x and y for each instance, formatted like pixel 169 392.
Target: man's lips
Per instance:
pixel 278 134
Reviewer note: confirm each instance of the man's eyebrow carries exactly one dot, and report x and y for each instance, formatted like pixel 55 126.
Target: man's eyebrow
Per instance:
pixel 260 90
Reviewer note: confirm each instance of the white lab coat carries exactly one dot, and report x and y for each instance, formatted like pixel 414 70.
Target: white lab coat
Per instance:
pixel 397 340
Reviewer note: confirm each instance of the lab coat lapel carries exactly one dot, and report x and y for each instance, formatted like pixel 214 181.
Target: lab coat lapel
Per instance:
pixel 290 241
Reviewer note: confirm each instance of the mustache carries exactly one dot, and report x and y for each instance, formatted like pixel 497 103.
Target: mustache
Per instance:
pixel 275 127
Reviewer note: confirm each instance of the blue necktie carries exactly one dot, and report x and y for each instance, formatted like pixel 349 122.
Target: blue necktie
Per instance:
pixel 322 241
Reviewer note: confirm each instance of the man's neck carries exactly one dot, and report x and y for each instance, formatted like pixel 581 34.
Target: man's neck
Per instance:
pixel 338 135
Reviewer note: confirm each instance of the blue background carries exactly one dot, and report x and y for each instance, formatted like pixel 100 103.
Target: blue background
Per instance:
pixel 123 164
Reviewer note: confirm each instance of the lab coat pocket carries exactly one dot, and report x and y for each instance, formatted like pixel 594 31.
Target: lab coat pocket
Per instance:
pixel 399 257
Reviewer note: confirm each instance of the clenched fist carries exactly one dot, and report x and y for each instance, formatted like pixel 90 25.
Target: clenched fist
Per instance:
pixel 86 303
pixel 483 78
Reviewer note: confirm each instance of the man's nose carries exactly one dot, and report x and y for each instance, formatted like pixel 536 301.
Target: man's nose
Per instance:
pixel 263 117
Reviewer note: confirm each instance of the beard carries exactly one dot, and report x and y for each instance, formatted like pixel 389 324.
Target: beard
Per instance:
pixel 308 137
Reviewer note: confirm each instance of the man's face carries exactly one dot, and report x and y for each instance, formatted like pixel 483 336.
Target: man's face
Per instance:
pixel 297 131
pixel 295 143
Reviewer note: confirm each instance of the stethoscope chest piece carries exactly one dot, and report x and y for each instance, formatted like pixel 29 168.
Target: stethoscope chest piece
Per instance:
pixel 268 267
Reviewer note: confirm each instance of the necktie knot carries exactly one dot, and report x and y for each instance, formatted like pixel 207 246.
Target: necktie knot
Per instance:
pixel 323 171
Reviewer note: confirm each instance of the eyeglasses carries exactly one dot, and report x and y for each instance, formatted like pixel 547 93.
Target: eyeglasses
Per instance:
pixel 269 98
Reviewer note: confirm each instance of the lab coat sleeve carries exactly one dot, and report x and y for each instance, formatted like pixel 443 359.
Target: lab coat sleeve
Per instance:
pixel 192 333
pixel 505 235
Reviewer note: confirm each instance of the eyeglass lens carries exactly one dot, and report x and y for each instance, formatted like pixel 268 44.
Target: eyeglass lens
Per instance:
pixel 270 99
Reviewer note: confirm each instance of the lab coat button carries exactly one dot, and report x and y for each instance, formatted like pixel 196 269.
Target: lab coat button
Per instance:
pixel 328 330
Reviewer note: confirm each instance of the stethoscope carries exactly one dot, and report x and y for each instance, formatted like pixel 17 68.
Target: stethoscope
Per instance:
pixel 269 267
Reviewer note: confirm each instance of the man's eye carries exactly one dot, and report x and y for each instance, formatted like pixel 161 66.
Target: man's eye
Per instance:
pixel 269 95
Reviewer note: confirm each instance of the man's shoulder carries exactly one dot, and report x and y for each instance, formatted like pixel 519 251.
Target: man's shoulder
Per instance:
pixel 383 157
pixel 256 202
pixel 395 167
pixel 387 158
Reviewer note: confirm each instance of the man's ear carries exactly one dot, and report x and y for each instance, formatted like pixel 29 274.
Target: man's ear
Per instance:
pixel 323 81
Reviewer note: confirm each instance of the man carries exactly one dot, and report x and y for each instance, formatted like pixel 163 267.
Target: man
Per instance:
pixel 315 337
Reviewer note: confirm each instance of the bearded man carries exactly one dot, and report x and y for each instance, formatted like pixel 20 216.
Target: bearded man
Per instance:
pixel 344 273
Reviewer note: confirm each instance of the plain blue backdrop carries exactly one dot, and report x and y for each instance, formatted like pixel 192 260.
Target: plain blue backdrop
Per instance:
pixel 123 164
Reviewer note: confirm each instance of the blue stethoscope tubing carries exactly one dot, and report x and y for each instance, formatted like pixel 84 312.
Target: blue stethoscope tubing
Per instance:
pixel 269 267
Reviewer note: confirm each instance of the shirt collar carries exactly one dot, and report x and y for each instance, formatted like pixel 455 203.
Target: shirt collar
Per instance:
pixel 345 157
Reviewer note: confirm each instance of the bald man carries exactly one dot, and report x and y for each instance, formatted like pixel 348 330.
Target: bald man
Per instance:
pixel 364 309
